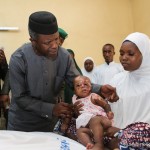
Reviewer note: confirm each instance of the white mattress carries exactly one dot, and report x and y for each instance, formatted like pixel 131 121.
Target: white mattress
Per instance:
pixel 16 140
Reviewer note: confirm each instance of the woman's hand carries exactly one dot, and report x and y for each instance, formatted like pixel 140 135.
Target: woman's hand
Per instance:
pixel 110 132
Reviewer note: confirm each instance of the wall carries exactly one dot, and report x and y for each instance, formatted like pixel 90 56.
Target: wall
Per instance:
pixel 89 23
pixel 141 18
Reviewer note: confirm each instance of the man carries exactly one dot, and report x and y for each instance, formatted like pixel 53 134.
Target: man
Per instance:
pixel 37 71
pixel 62 35
pixel 105 72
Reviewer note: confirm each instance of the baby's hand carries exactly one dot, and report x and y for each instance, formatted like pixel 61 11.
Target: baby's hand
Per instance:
pixel 110 115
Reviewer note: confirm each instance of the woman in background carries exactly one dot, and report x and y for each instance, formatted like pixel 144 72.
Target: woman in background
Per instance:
pixel 89 68
pixel 4 90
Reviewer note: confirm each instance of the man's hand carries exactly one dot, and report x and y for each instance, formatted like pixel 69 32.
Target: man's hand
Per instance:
pixel 62 110
pixel 77 107
pixel 109 93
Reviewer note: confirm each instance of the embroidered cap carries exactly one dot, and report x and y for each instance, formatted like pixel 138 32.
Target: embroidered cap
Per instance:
pixel 43 22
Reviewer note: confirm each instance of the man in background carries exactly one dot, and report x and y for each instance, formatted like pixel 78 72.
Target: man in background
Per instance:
pixel 105 72
pixel 62 35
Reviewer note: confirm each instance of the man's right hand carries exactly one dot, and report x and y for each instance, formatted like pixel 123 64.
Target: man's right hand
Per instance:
pixel 77 108
pixel 63 110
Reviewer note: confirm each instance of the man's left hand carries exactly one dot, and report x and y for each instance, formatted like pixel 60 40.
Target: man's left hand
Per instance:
pixel 109 93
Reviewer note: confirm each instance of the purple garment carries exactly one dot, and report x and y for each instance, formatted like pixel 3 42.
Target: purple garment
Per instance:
pixel 135 136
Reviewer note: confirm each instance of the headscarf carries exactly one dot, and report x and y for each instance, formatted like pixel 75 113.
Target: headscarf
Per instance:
pixel 142 41
pixel 88 58
pixel 133 87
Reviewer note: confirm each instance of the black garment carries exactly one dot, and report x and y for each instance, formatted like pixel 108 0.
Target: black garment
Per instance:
pixel 4 90
pixel 3 72
pixel 6 86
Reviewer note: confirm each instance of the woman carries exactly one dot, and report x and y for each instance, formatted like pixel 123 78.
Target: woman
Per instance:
pixel 133 87
pixel 89 68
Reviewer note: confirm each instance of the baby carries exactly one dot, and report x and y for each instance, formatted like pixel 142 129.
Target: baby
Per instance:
pixel 95 116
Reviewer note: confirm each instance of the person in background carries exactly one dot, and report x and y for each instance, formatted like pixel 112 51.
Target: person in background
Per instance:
pixel 69 91
pixel 105 72
pixel 133 88
pixel 62 36
pixel 36 72
pixel 3 67
pixel 4 89
pixel 89 69
pixel 73 57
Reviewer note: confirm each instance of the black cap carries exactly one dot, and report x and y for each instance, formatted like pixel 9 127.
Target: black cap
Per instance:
pixel 43 22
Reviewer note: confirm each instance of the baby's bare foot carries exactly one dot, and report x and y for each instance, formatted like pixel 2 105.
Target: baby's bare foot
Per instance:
pixel 89 146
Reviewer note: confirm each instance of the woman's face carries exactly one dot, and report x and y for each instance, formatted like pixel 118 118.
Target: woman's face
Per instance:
pixel 130 56
pixel 88 65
